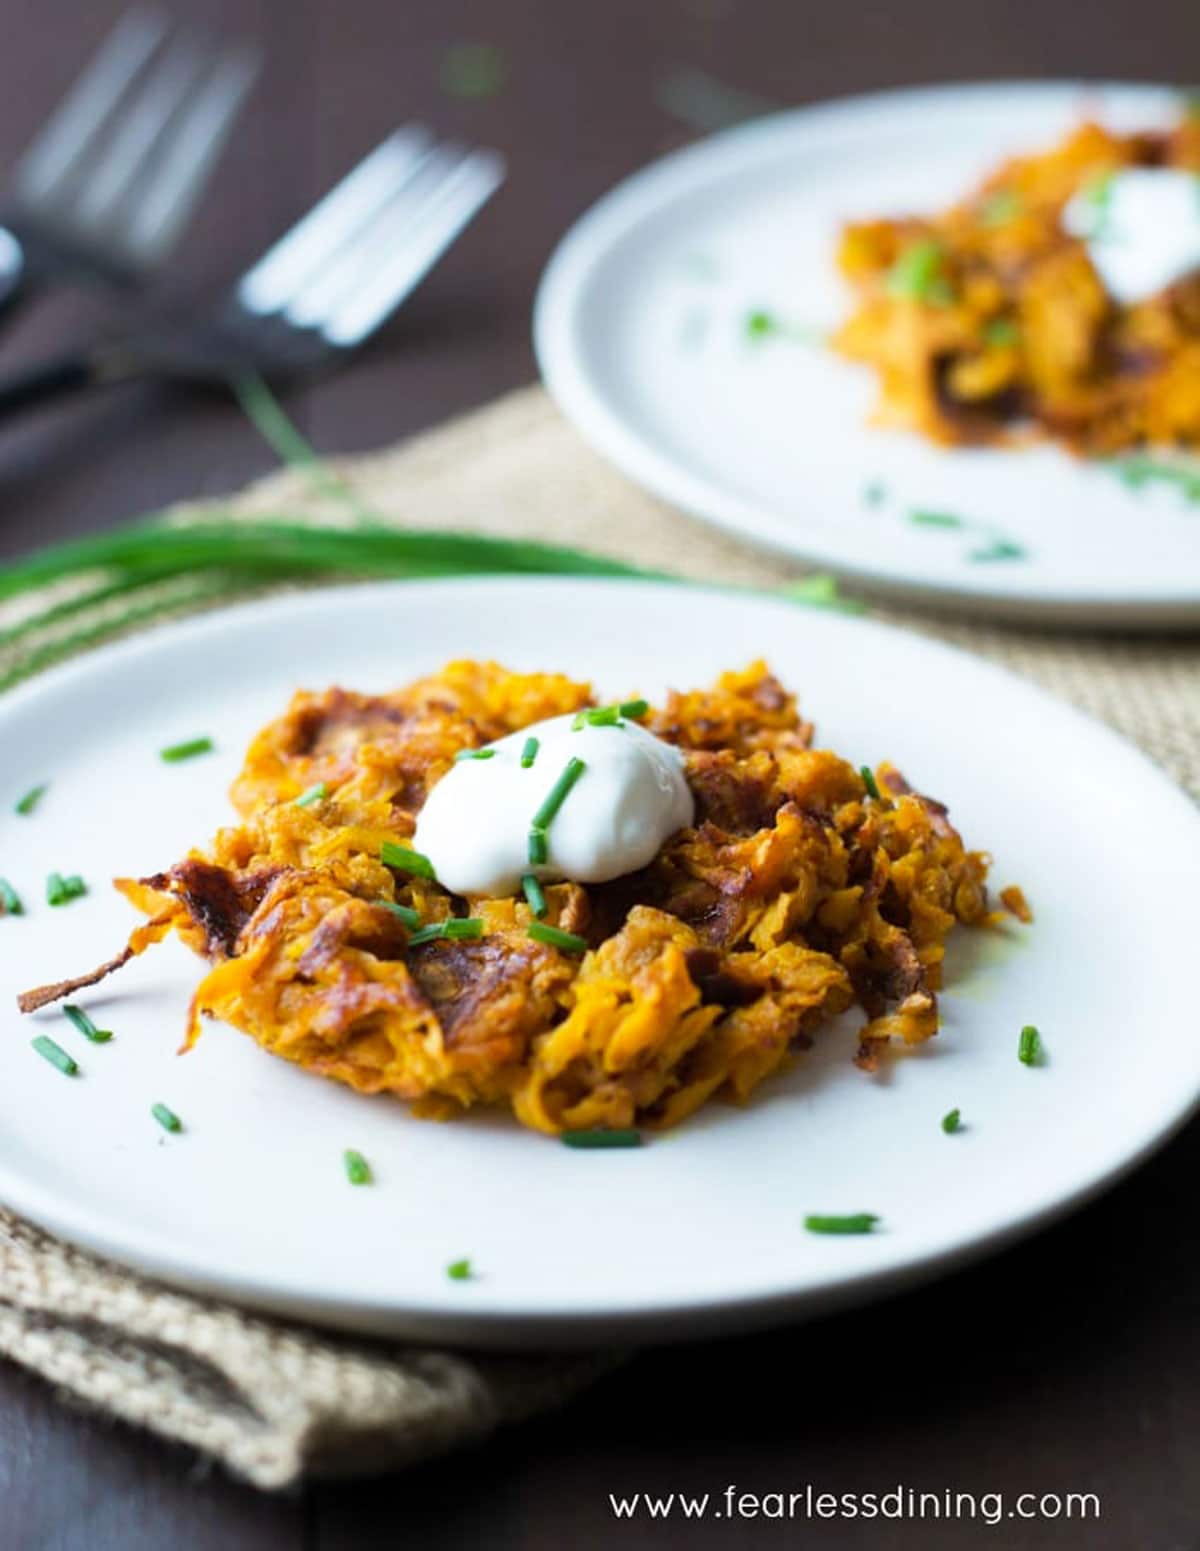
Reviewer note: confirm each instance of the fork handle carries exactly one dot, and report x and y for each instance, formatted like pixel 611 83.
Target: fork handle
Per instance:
pixel 68 374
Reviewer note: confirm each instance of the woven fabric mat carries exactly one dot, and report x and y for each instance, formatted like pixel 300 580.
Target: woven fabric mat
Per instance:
pixel 276 1401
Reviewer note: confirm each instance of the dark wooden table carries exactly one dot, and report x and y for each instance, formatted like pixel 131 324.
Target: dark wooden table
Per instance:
pixel 1070 1364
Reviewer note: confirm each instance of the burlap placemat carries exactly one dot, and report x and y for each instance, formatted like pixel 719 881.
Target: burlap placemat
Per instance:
pixel 274 1401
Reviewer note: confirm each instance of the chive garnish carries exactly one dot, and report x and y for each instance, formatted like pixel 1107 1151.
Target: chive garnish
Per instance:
pixel 167 1118
pixel 1001 549
pixel 405 860
pixel 31 799
pixel 918 274
pixel 925 519
pixel 557 794
pixel 554 937
pixel 455 928
pixel 174 752
pixel 761 323
pixel 459 1271
pixel 1001 332
pixel 529 753
pixel 60 890
pixel 10 900
pixel 590 1139
pixel 55 1054
pixel 875 493
pixel 597 716
pixel 999 208
pixel 410 917
pixel 85 1025
pixel 1029 1049
pixel 634 709
pixel 952 1122
pixel 315 793
pixel 856 1222
pixel 869 781
pixel 474 754
pixel 538 849
pixel 534 894
pixel 358 1170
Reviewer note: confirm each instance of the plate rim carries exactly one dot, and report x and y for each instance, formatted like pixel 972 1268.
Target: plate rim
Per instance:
pixel 571 1328
pixel 566 280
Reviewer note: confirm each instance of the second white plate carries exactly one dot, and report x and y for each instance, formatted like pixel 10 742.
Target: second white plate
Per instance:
pixel 641 334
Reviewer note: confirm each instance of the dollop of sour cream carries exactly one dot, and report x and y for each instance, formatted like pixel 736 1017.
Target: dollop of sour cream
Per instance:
pixel 1141 227
pixel 630 798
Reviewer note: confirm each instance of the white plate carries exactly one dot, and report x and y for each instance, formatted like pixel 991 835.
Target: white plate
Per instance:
pixel 640 334
pixel 699 1229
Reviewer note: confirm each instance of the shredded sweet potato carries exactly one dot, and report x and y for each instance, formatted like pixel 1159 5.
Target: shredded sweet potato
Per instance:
pixel 794 896
pixel 989 320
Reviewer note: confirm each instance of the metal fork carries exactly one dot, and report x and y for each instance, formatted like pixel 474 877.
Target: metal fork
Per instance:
pixel 107 186
pixel 325 286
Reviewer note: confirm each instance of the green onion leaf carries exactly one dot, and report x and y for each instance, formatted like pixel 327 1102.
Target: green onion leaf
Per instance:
pixel 85 1025
pixel 1029 1048
pixel 917 273
pixel 10 900
pixel 856 1222
pixel 60 890
pixel 952 1122
pixel 175 752
pixel 460 1271
pixel 538 850
pixel 554 938
pixel 167 1118
pixel 55 1054
pixel 315 793
pixel 869 781
pixel 597 1139
pixel 634 709
pixel 474 754
pixel 358 1170
pixel 557 794
pixel 410 917
pixel 31 799
pixel 529 753
pixel 405 860
pixel 534 894
pixel 455 928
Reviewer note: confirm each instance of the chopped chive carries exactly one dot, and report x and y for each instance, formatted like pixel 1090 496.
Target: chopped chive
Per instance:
pixel 529 753
pixel 998 209
pixel 856 1222
pixel 597 716
pixel 553 937
pixel 174 752
pixel 31 799
pixel 1029 1049
pixel 1001 333
pixel 534 894
pixel 55 1054
pixel 917 273
pixel 589 1139
pixel 760 323
pixel 60 890
pixel 952 1122
pixel 474 754
pixel 167 1118
pixel 10 900
pixel 358 1170
pixel 455 928
pixel 634 709
pixel 538 850
pixel 875 493
pixel 460 1271
pixel 315 793
pixel 924 519
pixel 405 860
pixel 869 781
pixel 85 1025
pixel 1001 549
pixel 557 794
pixel 407 914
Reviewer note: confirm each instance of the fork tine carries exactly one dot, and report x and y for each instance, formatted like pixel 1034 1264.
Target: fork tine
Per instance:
pixel 317 235
pixel 89 103
pixel 467 190
pixel 137 133
pixel 319 293
pixel 192 149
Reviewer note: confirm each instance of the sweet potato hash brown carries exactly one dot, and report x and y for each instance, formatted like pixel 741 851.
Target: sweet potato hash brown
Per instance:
pixel 990 316
pixel 805 886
